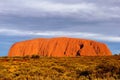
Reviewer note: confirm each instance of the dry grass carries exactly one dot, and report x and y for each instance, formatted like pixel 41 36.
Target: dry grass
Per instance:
pixel 48 68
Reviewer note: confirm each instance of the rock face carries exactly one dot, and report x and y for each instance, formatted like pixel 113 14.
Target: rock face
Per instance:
pixel 59 47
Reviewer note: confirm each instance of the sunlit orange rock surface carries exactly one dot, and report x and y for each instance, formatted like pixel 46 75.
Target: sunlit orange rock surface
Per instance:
pixel 59 47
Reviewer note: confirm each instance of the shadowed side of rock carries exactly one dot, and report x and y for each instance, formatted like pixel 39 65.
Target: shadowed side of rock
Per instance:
pixel 59 47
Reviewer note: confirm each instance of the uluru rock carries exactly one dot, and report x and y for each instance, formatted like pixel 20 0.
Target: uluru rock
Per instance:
pixel 59 47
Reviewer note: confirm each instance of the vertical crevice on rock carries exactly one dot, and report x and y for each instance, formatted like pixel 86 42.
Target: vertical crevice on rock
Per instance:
pixel 81 46
pixel 64 53
pixel 78 53
pixel 66 47
pixel 91 43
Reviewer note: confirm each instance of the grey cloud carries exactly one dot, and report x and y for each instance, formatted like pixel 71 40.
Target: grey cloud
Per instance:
pixel 82 10
pixel 60 24
pixel 93 16
pixel 8 32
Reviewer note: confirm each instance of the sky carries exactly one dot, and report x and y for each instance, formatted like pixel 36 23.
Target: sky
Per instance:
pixel 90 19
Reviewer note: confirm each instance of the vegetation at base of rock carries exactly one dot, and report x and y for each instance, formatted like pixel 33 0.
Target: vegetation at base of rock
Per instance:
pixel 67 68
pixel 35 56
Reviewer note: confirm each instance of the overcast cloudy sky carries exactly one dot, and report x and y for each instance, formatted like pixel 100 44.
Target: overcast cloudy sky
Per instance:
pixel 91 19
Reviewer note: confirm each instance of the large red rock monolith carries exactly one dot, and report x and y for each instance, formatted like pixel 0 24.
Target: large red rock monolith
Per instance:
pixel 59 47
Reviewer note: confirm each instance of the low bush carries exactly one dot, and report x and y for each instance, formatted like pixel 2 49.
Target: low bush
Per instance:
pixel 35 56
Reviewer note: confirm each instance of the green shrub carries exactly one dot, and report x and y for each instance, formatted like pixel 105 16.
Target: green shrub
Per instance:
pixel 26 57
pixel 108 69
pixel 35 56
